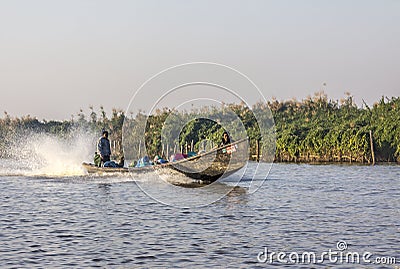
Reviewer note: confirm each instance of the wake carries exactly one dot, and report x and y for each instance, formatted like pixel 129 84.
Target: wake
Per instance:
pixel 48 155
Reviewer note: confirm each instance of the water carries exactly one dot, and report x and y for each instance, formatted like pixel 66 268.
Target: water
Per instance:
pixel 49 221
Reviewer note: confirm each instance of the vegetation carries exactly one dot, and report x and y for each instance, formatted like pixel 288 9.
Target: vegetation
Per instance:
pixel 314 129
pixel 320 130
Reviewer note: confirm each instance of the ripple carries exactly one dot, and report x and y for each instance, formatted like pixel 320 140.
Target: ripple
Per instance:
pixel 109 223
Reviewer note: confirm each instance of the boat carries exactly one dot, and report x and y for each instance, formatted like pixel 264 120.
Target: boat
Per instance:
pixel 205 167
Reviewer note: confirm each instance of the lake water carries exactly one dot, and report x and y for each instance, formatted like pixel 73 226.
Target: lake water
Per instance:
pixel 109 222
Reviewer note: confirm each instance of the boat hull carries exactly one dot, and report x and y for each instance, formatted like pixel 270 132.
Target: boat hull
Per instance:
pixel 91 169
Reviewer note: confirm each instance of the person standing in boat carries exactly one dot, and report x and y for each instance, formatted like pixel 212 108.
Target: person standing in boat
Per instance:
pixel 103 148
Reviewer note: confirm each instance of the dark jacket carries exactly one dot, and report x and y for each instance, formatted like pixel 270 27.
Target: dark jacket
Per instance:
pixel 103 147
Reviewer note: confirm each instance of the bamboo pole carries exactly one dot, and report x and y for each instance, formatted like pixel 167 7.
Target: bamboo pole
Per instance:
pixel 167 157
pixel 371 140
pixel 191 145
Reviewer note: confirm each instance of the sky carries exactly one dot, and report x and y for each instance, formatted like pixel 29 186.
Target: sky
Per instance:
pixel 57 57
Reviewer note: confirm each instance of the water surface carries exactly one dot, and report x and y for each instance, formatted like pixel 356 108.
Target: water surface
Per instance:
pixel 108 222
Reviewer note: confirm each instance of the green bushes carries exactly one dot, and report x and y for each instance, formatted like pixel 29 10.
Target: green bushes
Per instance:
pixel 319 130
pixel 314 129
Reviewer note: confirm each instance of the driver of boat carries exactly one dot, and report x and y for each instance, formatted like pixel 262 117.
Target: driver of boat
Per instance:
pixel 226 140
pixel 103 148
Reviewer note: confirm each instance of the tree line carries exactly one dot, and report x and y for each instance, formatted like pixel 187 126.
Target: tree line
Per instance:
pixel 314 129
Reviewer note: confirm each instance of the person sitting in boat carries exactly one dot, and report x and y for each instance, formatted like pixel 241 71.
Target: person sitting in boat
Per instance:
pixel 191 154
pixel 97 159
pixel 103 148
pixel 159 160
pixel 115 164
pixel 121 162
pixel 145 161
pixel 226 140
pixel 177 157
pixel 112 164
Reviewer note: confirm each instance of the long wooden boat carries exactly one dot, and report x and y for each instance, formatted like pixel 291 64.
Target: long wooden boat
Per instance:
pixel 206 167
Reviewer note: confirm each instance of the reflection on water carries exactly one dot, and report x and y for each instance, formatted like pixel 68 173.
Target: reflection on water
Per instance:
pixel 238 195
pixel 105 187
pixel 110 223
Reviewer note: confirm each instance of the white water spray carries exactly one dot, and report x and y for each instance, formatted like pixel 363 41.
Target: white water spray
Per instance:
pixel 52 156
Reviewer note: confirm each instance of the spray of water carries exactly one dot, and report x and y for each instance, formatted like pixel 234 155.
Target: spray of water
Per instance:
pixel 49 155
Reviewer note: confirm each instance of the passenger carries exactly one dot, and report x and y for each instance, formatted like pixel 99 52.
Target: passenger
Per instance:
pixel 115 164
pixel 156 158
pixel 97 159
pixel 110 164
pixel 159 160
pixel 121 162
pixel 191 154
pixel 145 161
pixel 176 157
pixel 103 147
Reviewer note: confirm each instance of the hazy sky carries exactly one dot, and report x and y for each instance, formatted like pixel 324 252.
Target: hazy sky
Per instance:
pixel 59 56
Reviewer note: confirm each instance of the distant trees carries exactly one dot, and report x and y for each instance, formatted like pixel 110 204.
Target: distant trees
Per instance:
pixel 314 129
